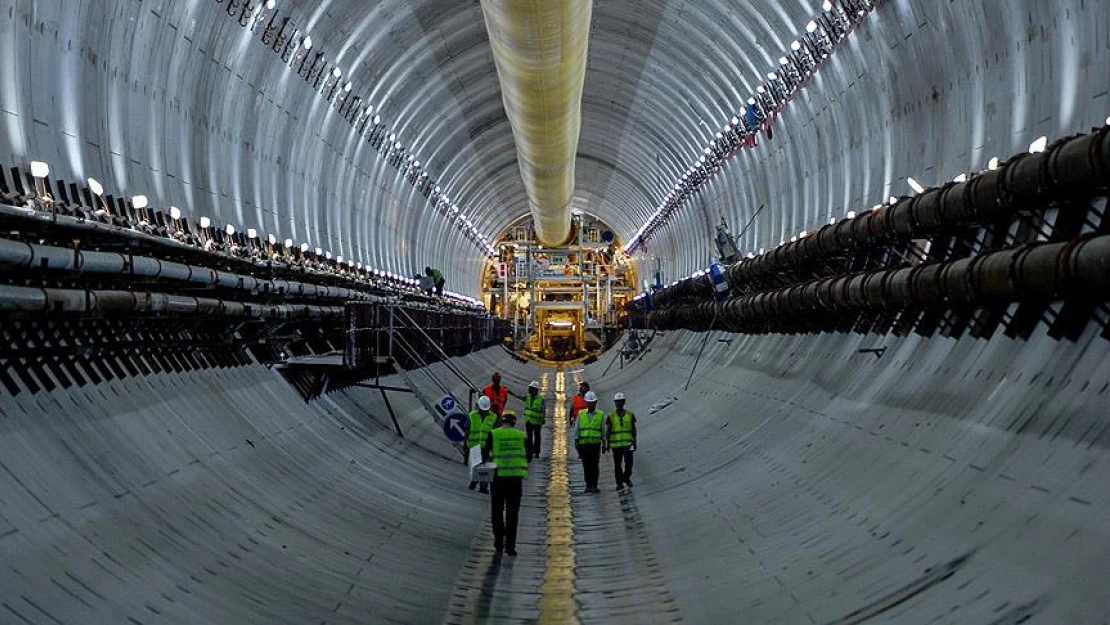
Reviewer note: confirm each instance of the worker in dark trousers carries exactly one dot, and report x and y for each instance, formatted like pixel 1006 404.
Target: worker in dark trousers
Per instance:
pixel 506 448
pixel 534 418
pixel 479 425
pixel 620 438
pixel 587 440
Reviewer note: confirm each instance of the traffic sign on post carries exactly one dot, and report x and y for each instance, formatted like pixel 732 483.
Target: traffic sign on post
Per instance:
pixel 454 427
pixel 446 405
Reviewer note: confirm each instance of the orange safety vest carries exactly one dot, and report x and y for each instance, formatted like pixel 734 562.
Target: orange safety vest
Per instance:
pixel 497 399
pixel 578 404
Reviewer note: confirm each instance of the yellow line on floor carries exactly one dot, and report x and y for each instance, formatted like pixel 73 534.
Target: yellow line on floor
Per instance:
pixel 557 590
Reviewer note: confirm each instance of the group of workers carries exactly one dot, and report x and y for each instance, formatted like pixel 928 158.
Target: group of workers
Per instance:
pixel 492 429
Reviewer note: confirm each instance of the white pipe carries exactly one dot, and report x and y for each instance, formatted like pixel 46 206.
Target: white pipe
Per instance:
pixel 540 49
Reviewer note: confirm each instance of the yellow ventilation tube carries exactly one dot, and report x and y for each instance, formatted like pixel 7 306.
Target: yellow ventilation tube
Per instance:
pixel 540 50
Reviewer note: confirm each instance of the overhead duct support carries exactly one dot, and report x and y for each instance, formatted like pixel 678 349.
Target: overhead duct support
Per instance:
pixel 540 47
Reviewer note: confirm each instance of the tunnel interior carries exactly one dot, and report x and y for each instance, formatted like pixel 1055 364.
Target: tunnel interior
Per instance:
pixel 861 314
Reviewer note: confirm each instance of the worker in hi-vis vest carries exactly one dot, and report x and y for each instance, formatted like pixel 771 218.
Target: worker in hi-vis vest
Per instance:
pixel 479 426
pixel 505 447
pixel 578 402
pixel 620 438
pixel 534 418
pixel 587 440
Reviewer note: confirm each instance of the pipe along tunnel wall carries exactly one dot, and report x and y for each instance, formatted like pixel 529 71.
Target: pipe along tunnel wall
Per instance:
pixel 796 481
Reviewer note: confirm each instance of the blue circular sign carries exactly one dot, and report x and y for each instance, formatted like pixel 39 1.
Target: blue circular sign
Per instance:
pixel 454 427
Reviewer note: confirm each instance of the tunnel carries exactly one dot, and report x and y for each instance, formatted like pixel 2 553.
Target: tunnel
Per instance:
pixel 868 351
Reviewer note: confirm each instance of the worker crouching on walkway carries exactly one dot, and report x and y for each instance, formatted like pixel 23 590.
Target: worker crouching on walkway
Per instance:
pixel 506 448
pixel 587 440
pixel 620 438
pixel 534 418
pixel 479 426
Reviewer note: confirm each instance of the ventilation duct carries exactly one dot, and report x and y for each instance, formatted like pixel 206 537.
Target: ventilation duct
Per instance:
pixel 540 47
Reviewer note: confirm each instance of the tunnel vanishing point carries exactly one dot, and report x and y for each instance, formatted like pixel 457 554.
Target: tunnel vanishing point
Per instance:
pixel 849 262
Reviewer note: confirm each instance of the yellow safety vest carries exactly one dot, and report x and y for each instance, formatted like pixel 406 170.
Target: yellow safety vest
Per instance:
pixel 589 427
pixel 508 452
pixel 620 429
pixel 534 409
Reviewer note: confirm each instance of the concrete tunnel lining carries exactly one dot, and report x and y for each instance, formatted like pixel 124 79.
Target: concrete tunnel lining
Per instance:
pixel 763 491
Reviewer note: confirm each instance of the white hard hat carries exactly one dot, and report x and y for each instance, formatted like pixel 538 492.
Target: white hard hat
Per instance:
pixel 591 397
pixel 483 403
pixel 534 384
pixel 618 397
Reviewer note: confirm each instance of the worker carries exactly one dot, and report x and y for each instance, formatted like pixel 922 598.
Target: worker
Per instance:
pixel 620 438
pixel 578 402
pixel 437 278
pixel 479 426
pixel 505 447
pixel 427 284
pixel 534 418
pixel 498 394
pixel 587 440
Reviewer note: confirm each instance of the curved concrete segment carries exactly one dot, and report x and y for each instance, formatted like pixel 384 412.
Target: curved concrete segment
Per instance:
pixel 797 480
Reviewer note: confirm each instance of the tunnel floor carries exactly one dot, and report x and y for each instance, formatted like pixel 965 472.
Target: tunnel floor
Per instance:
pixel 795 481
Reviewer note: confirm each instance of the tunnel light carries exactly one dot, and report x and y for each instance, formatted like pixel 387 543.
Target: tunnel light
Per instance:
pixel 915 185
pixel 39 169
pixel 795 46
pixel 175 213
pixel 252 233
pixel 307 43
pixel 811 26
pixel 139 201
pixel 94 186
pixel 993 163
pixel 960 178
pixel 827 6
pixel 230 230
pixel 1039 145
pixel 205 222
pixel 288 243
